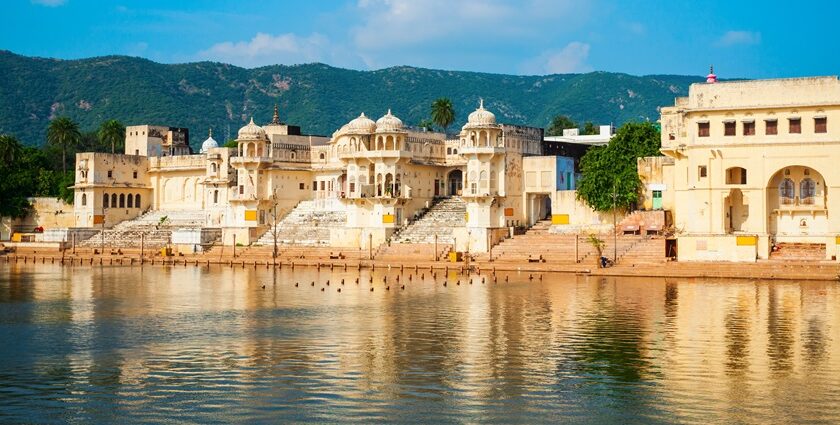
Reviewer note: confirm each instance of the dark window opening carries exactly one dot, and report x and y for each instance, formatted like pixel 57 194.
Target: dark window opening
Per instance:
pixel 702 129
pixel 771 127
pixel 795 126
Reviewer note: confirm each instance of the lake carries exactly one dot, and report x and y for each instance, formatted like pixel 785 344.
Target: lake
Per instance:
pixel 118 344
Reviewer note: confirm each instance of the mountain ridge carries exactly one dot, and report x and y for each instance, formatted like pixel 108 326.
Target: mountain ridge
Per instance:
pixel 316 96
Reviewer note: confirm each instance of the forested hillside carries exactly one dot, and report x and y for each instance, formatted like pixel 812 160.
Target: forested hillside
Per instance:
pixel 317 97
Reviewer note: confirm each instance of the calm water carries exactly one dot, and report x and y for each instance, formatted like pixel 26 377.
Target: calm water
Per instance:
pixel 192 345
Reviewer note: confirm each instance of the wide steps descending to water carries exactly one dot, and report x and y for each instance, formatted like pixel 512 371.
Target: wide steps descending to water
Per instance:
pixel 441 220
pixel 408 252
pixel 309 224
pixel 295 252
pixel 147 230
pixel 560 248
pixel 798 252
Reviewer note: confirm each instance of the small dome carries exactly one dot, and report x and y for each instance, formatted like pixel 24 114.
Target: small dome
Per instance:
pixel 361 124
pixel 209 143
pixel 481 116
pixel 388 123
pixel 251 132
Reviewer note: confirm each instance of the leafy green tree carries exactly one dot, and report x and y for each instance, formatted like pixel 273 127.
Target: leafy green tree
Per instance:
pixel 443 113
pixel 10 149
pixel 558 124
pixel 589 129
pixel 609 175
pixel 112 132
pixel 426 124
pixel 230 144
pixel 16 182
pixel 63 132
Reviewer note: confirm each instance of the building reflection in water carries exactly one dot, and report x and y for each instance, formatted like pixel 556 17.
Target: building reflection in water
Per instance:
pixel 236 344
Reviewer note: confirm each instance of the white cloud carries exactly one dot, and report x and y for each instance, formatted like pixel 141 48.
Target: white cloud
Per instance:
pixel 570 59
pixel 49 3
pixel 268 49
pixel 733 38
pixel 434 33
pixel 388 24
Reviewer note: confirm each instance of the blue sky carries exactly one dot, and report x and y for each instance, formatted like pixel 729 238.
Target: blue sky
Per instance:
pixel 749 39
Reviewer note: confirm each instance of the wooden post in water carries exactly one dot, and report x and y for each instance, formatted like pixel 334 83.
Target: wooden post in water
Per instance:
pixel 489 247
pixel 577 257
pixel 435 256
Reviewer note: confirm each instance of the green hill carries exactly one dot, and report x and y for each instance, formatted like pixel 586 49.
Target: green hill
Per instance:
pixel 318 97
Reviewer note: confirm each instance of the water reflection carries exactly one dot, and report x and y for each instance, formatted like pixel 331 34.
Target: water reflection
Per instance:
pixel 198 344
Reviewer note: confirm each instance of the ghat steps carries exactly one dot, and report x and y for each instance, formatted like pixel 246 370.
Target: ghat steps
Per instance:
pixel 559 248
pixel 798 252
pixel 308 224
pixel 146 229
pixel 414 252
pixel 440 220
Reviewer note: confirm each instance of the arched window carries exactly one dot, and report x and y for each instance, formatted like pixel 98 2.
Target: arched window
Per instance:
pixel 84 199
pixel 122 200
pixel 736 175
pixel 130 201
pixel 807 190
pixel 215 196
pixel 786 191
pixel 321 156
pixel 104 200
pixel 213 167
pixel 113 200
pixel 137 201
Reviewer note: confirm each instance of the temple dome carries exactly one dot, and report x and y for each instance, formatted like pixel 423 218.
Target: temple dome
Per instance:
pixel 251 132
pixel 388 123
pixel 481 116
pixel 361 124
pixel 210 143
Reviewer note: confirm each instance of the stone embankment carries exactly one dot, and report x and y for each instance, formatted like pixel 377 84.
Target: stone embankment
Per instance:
pixel 261 257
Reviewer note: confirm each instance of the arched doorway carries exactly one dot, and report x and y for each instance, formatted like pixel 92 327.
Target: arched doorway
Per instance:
pixel 736 211
pixel 797 204
pixel 454 182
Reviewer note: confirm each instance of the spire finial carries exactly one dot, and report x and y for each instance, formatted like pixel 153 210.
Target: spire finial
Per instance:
pixel 210 132
pixel 252 119
pixel 276 118
pixel 389 111
pixel 480 103
pixel 711 78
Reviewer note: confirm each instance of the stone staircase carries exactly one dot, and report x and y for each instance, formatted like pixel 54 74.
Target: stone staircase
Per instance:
pixel 440 220
pixel 648 251
pixel 146 229
pixel 408 252
pixel 308 224
pixel 792 252
pixel 559 248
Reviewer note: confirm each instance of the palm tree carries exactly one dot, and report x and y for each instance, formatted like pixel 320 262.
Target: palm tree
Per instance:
pixel 10 149
pixel 63 132
pixel 443 114
pixel 113 132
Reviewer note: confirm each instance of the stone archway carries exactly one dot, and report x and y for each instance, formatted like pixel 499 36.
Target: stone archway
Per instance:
pixel 454 182
pixel 736 210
